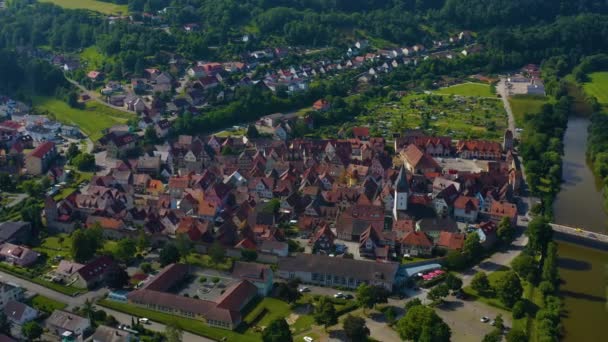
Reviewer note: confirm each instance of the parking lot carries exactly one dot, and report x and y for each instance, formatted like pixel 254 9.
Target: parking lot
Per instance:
pixel 464 316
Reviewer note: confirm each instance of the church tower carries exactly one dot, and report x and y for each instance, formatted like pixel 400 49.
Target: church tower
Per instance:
pixel 402 190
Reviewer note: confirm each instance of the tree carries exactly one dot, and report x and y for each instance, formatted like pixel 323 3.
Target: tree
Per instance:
pixel 32 330
pixel 412 303
pixel 72 151
pixel 499 323
pixel 455 260
pixel 508 288
pixel 453 282
pixel 325 312
pixel 355 328
pixel 472 248
pixel 525 266
pixel 125 250
pixel 173 333
pixel 217 252
pixel 150 137
pixel 368 295
pixel 539 234
pixel 519 309
pixel 143 241
pixel 5 324
pixel 423 318
pixel 249 255
pixel 86 243
pixel 168 255
pixel 84 162
pixel 516 335
pixel 184 245
pixel 550 264
pixel 252 132
pixel 505 231
pixel 437 293
pixel 288 291
pixel 277 331
pixel 493 336
pixel 116 277
pixel 480 283
pixel 145 267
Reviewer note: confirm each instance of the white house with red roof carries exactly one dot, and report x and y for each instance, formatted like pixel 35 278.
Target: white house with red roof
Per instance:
pixel 39 160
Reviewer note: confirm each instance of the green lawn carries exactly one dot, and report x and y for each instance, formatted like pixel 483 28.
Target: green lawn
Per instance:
pixel 94 118
pixel 52 246
pixel 92 57
pixel 303 323
pixel 266 311
pixel 598 86
pixel 468 89
pixel 205 261
pixel 93 5
pixel 48 305
pixel 492 301
pixel 191 325
pixel 522 104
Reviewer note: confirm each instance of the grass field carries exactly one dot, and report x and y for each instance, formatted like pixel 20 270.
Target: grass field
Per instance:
pixel 92 57
pixel 468 89
pixel 53 246
pixel 267 311
pixel 48 305
pixel 492 301
pixel 522 104
pixel 191 325
pixel 459 118
pixel 93 119
pixel 598 86
pixel 204 261
pixel 93 5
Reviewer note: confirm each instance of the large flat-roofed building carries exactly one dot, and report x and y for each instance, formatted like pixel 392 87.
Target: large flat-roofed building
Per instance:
pixel 328 271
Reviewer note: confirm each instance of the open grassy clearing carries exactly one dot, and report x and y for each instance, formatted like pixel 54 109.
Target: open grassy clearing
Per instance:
pixel 92 5
pixel 492 301
pixel 58 245
pixel 266 311
pixel 455 116
pixel 204 261
pixel 522 104
pixel 468 89
pixel 598 86
pixel 48 305
pixel 92 58
pixel 92 119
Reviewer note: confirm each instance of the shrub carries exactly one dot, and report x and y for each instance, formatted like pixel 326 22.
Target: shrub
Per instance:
pixel 202 279
pixel 215 280
pixel 519 309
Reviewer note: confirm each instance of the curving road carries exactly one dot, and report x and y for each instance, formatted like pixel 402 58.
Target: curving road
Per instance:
pixel 95 97
pixel 73 302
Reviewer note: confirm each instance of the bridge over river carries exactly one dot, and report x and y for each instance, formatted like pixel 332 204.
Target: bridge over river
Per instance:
pixel 580 236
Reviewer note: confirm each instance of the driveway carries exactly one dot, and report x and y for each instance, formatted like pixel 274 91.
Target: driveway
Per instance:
pixel 501 88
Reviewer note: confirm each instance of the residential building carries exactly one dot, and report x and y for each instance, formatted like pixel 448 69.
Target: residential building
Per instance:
pixel 39 160
pixel 416 244
pixel 15 232
pixel 63 323
pixel 9 292
pixel 19 313
pixel 466 209
pixel 18 255
pixel 450 241
pixel 104 333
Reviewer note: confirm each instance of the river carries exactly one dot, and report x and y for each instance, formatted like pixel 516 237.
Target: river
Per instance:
pixel 584 271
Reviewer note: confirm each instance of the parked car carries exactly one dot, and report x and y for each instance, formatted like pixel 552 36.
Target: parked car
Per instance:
pixel 348 296
pixel 303 289
pixel 484 319
pixel 339 295
pixel 308 339
pixel 144 320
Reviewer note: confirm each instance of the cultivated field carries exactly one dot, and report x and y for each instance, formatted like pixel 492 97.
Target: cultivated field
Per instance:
pixel 93 5
pixel 92 119
pixel 456 116
pixel 468 89
pixel 598 86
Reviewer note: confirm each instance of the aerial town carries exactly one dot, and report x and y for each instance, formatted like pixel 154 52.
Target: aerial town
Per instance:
pixel 278 171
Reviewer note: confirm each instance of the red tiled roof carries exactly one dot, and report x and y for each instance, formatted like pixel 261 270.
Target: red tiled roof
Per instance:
pixel 42 149
pixel 361 131
pixel 417 239
pixel 452 241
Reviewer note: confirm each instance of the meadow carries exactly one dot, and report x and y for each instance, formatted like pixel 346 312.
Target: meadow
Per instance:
pixel 468 89
pixel 92 119
pixel 92 5
pixel 522 104
pixel 598 86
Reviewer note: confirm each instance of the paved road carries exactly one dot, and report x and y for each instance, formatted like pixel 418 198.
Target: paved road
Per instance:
pixel 501 88
pixel 73 302
pixel 95 97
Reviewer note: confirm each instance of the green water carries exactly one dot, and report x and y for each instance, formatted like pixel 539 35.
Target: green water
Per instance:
pixel 584 272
